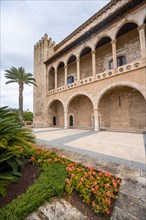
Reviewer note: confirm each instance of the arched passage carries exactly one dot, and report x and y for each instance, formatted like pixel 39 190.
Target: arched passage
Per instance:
pixel 72 67
pixel 52 78
pixel 122 107
pixel 56 114
pixel 81 110
pixel 103 54
pixel 86 63
pixel 128 44
pixel 60 75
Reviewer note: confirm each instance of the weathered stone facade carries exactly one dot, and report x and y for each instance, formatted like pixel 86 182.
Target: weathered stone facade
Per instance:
pixel 96 77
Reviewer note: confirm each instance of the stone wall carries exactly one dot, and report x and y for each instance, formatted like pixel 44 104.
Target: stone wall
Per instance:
pixel 129 45
pixel 60 77
pixel 51 79
pixel 124 108
pixel 86 66
pixel 72 69
pixel 103 56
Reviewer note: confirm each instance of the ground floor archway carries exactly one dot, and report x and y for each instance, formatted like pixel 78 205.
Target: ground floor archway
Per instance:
pixel 81 110
pixel 56 114
pixel 122 107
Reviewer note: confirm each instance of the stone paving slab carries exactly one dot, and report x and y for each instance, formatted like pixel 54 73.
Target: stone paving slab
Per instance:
pixel 122 145
pixel 51 134
pixel 120 148
pixel 56 210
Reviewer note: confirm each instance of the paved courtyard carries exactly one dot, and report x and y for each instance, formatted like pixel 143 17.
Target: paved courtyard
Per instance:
pixel 117 147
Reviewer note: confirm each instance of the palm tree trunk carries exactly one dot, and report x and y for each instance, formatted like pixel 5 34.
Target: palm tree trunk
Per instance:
pixel 21 103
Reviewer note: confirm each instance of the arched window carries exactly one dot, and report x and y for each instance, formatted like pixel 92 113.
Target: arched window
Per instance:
pixel 121 60
pixel 70 79
pixel 71 122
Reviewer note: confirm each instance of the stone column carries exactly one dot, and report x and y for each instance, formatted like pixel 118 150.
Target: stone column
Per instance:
pixel 55 79
pixel 96 120
pixel 65 74
pixel 78 69
pixel 141 30
pixel 65 119
pixel 114 52
pixel 94 62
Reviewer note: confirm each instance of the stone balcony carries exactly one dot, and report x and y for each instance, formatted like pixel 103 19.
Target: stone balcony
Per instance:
pixel 102 76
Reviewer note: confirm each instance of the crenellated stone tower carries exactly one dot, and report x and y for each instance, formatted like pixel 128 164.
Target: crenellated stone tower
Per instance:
pixel 43 50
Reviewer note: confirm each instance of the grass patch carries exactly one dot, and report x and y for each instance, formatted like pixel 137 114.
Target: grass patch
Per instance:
pixel 50 183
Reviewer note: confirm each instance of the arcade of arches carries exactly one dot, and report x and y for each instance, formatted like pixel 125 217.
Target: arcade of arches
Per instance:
pixel 119 108
pixel 97 60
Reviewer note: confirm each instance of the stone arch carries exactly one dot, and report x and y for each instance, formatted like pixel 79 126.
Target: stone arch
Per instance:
pixel 103 54
pixel 85 47
pixel 56 111
pixel 70 56
pixel 130 21
pixel 77 94
pixel 51 76
pixel 60 74
pixel 103 37
pixel 127 43
pixel 85 63
pixel 122 106
pixel 133 85
pixel 58 63
pixel 52 66
pixel 72 66
pixel 80 106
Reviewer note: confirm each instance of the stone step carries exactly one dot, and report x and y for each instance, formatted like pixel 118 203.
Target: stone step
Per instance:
pixel 56 210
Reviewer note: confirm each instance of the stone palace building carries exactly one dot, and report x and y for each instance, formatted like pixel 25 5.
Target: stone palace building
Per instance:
pixel 96 77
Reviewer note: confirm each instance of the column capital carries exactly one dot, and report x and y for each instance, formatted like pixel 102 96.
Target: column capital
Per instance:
pixel 141 27
pixel 93 52
pixel 66 66
pixel 78 59
pixel 114 41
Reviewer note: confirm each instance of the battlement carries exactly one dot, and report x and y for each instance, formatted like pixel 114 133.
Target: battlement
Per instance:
pixel 46 41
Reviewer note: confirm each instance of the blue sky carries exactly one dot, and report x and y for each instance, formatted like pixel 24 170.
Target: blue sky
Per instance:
pixel 23 23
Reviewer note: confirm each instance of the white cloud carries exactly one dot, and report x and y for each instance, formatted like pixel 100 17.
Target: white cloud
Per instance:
pixel 23 23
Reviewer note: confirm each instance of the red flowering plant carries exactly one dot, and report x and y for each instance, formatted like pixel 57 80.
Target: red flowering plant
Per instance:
pixel 44 157
pixel 96 188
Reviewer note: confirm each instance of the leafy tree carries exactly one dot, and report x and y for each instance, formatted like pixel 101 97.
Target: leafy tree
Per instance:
pixel 21 77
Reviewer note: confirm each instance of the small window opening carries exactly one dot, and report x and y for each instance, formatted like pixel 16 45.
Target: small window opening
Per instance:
pixel 70 79
pixel 121 60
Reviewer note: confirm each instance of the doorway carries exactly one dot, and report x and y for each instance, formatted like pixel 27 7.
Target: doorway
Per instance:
pixel 54 121
pixel 71 122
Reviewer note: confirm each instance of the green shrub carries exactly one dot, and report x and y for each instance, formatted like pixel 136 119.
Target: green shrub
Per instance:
pixel 50 183
pixel 14 142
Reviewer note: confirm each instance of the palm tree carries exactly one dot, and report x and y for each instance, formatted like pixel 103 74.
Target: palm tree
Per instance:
pixel 21 77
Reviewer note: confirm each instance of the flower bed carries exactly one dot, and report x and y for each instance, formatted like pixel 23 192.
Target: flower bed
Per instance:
pixel 98 188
